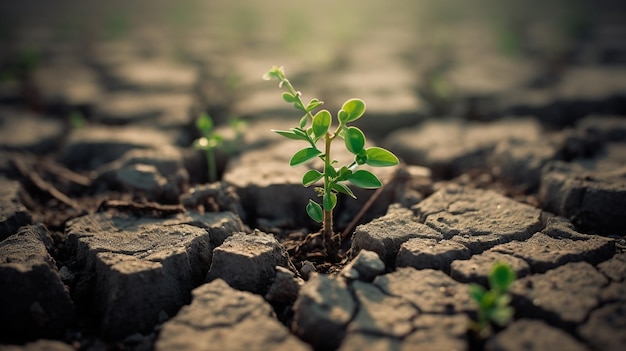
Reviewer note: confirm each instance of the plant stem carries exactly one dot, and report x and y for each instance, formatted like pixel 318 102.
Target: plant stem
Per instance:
pixel 296 93
pixel 210 156
pixel 327 227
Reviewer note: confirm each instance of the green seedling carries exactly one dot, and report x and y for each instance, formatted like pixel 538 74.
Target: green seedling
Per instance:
pixel 208 142
pixel 315 126
pixel 493 304
pixel 77 120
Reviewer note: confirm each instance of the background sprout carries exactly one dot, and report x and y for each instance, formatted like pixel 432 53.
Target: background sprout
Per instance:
pixel 208 142
pixel 493 304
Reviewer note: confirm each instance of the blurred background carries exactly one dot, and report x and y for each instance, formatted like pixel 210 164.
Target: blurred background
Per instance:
pixel 410 60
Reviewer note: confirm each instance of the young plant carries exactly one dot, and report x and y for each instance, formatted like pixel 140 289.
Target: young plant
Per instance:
pixel 77 120
pixel 493 304
pixel 315 126
pixel 208 142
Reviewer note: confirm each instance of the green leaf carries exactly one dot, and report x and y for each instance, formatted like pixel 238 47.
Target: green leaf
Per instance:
pixel 304 155
pixel 364 179
pixel 288 97
pixel 476 292
pixel 275 72
pixel 501 316
pixel 314 210
pixel 321 123
pixel 342 188
pixel 313 104
pixel 201 143
pixel 343 174
pixel 291 134
pixel 489 300
pixel 501 277
pixel 355 140
pixel 342 116
pixel 503 300
pixel 330 200
pixel 355 108
pixel 379 157
pixel 330 171
pixel 311 177
pixel 204 124
pixel 215 141
pixel 303 121
pixel 298 104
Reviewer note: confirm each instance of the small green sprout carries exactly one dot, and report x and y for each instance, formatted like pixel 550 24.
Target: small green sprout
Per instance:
pixel 316 126
pixel 208 142
pixel 493 304
pixel 77 120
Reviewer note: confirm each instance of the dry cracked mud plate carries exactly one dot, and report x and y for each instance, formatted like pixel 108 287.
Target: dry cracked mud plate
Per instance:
pixel 111 237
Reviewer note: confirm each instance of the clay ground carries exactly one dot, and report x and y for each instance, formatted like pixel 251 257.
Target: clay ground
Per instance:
pixel 509 122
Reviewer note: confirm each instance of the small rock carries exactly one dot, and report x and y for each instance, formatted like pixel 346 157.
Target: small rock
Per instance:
pixel 307 269
pixel 451 147
pixel 438 332
pixel 285 288
pixel 380 313
pixel 519 163
pixel 222 318
pixel 322 311
pixel 157 174
pixel 615 268
pixel 593 199
pixel 430 290
pixel 543 252
pixel 478 267
pixel 431 332
pixel 90 147
pixel 429 253
pixel 248 261
pixel 616 291
pixel 13 214
pixel 563 296
pixel 365 266
pixel 34 301
pixel 560 227
pixel 216 194
pixel 143 178
pixel 604 329
pixel 532 335
pixel 135 268
pixel 386 234
pixel 24 131
pixel 66 275
pixel 459 213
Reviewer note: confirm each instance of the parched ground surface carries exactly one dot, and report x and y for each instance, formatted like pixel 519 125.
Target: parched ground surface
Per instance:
pixel 510 124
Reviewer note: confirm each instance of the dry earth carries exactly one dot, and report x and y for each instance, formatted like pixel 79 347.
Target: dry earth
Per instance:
pixel 513 149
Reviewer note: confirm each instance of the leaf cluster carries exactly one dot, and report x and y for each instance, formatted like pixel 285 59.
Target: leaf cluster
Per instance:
pixel 493 304
pixel 209 139
pixel 317 124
